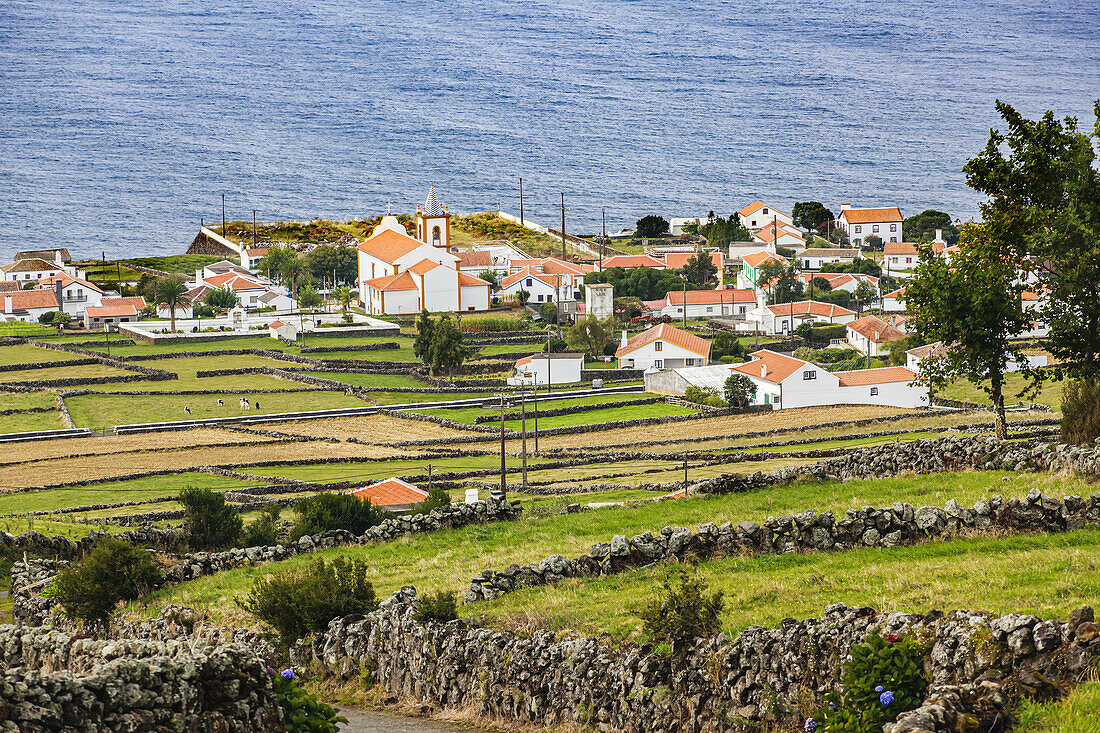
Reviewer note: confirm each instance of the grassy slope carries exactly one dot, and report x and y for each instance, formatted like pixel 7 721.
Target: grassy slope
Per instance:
pixel 26 354
pixel 961 389
pixel 1079 712
pixel 26 422
pixel 107 410
pixel 69 372
pixel 114 492
pixel 447 560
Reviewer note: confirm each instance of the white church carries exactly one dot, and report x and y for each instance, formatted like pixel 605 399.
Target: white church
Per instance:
pixel 400 274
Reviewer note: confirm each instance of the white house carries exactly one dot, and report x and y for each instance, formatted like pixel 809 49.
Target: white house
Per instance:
pixel 548 369
pixel 282 330
pixel 74 293
pixel 786 382
pixel 731 303
pixel 872 336
pixel 892 302
pixel 839 280
pixel 814 257
pixel 751 264
pixel 859 224
pixel 275 300
pixel 114 310
pixel 738 250
pixel 540 288
pixel 662 347
pixel 251 256
pixel 30 270
pixel 779 320
pixel 781 236
pixel 248 288
pixel 28 305
pixel 757 215
pixel 677 224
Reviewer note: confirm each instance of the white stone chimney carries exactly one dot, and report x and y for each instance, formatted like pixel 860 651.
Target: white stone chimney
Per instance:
pixel 623 341
pixel 845 207
pixel 7 302
pixel 939 236
pixel 763 371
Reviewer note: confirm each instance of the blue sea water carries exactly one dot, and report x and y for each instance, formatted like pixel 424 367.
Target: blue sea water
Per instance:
pixel 122 123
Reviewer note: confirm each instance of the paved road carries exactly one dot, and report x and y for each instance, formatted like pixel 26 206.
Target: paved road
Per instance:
pixel 365 721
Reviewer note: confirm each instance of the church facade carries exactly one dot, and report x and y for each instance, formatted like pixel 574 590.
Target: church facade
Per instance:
pixel 401 274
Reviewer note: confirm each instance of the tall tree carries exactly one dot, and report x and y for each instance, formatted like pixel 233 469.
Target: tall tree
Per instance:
pixel 292 269
pixel 811 215
pixel 221 298
pixel 974 307
pixel 171 292
pixel 922 227
pixel 344 296
pixel 651 226
pixel 447 351
pixel 719 232
pixel 864 294
pixel 768 274
pixel 700 269
pixel 422 344
pixel 1044 211
pixel 591 335
pixel 271 264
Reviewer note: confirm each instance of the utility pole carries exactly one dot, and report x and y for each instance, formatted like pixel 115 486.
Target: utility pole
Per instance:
pixel 685 474
pixel 429 478
pixel 523 423
pixel 603 239
pixel 223 214
pixel 685 303
pixel 253 227
pixel 503 475
pixel 535 392
pixel 521 201
pixel 557 310
pixel 107 335
pixel 563 255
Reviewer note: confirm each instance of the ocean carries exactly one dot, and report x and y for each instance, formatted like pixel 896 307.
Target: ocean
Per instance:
pixel 123 123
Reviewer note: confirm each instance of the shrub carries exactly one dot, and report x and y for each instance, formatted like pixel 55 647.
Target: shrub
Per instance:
pixel 265 530
pixel 302 712
pixel 323 512
pixel 439 607
pixel 114 571
pixel 300 601
pixel 739 390
pixel 1080 412
pixel 706 396
pixel 683 613
pixel 436 498
pixel 210 522
pixel 882 680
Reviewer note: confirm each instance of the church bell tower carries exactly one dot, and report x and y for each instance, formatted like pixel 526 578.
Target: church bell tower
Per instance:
pixel 433 222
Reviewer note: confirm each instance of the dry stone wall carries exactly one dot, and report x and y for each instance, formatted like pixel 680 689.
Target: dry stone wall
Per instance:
pixel 761 678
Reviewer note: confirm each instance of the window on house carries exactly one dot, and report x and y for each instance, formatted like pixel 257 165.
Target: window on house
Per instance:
pixel 752 223
pixel 658 363
pixel 765 212
pixel 741 309
pixel 775 399
pixel 435 235
pixel 689 362
pixel 709 309
pixel 874 391
pixel 908 260
pixel 809 374
pixel 657 345
pixel 874 228
pixel 528 282
pixel 859 229
pixel 893 239
pixel 893 227
pixel 855 242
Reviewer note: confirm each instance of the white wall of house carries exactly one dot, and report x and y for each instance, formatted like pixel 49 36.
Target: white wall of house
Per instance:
pixel 76 297
pixel 824 389
pixel 539 290
pixel 865 345
pixel 660 354
pixel 475 297
pixel 439 289
pixel 548 371
pixel 394 302
pixel 780 324
pixel 762 217
pixel 901 262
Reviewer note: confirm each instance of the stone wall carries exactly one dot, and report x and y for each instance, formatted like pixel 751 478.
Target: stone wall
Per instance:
pixel 761 678
pixel 57 682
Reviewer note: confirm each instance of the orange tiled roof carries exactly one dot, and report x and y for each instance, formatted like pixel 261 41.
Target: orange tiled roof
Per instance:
pixel 66 279
pixel 475 259
pixel 525 273
pixel 110 311
pixel 810 307
pixel 756 206
pixel 767 234
pixel 676 260
pixel 883 375
pixel 465 278
pixel 400 281
pixel 389 246
pixel 895 293
pixel 665 332
pixel 876 329
pixel 424 266
pixel 628 261
pixel 391 492
pixel 135 300
pixel 31 264
pixel 755 259
pixel 872 216
pixel 779 367
pixel 25 299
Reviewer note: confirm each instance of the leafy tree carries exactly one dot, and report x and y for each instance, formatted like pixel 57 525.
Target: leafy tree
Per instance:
pixel 435 499
pixel 90 588
pixel 491 277
pixel 864 293
pixel 739 390
pixel 811 215
pixel 651 226
pixel 700 269
pixel 171 292
pixel 974 307
pixel 222 299
pixel 323 260
pixel 273 263
pixel 591 335
pixel 308 297
pixel 785 287
pixel 548 312
pixel 861 266
pixel 820 285
pixel 422 344
pixel 523 296
pixel 447 350
pixel 264 531
pixel 720 232
pixel 210 523
pixel 292 269
pixel 344 296
pixel 768 274
pixel 684 613
pixel 922 227
pixel 873 241
pixel 61 318
pixel 628 307
pixel 1043 210
pixel 48 316
pixel 323 512
pixel 644 283
pixel 726 344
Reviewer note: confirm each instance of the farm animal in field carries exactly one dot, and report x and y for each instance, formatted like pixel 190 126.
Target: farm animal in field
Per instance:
pixel 221 403
pixel 187 409
pixel 257 404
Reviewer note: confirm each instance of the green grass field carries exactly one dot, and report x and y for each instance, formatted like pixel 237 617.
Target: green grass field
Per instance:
pixel 397 398
pixel 28 421
pixel 113 492
pixel 27 354
pixel 25 400
pixel 961 389
pixel 18 328
pixel 64 372
pixel 467 414
pixel 447 560
pixel 1079 712
pixel 99 410
pixel 328 471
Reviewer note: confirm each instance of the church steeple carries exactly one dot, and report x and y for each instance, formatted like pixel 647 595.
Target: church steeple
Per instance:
pixel 433 221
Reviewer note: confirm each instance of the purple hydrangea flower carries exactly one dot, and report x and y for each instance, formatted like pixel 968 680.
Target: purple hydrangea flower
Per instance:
pixel 886 698
pixel 287 674
pixel 878 689
pixel 270 671
pixel 811 725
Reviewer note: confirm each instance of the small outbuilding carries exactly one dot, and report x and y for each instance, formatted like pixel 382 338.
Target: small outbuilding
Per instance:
pixel 282 330
pixel 392 494
pixel 548 369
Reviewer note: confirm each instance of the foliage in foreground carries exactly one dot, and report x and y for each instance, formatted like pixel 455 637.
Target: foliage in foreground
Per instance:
pixel 263 532
pixel 883 679
pixel 1080 412
pixel 210 522
pixel 90 588
pixel 323 512
pixel 683 613
pixel 302 712
pixel 296 602
pixel 441 607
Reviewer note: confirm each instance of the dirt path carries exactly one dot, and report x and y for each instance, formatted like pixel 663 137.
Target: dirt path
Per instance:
pixel 366 721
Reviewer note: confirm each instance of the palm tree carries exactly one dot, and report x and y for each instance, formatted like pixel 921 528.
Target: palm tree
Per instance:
pixel 290 270
pixel 171 292
pixel 344 298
